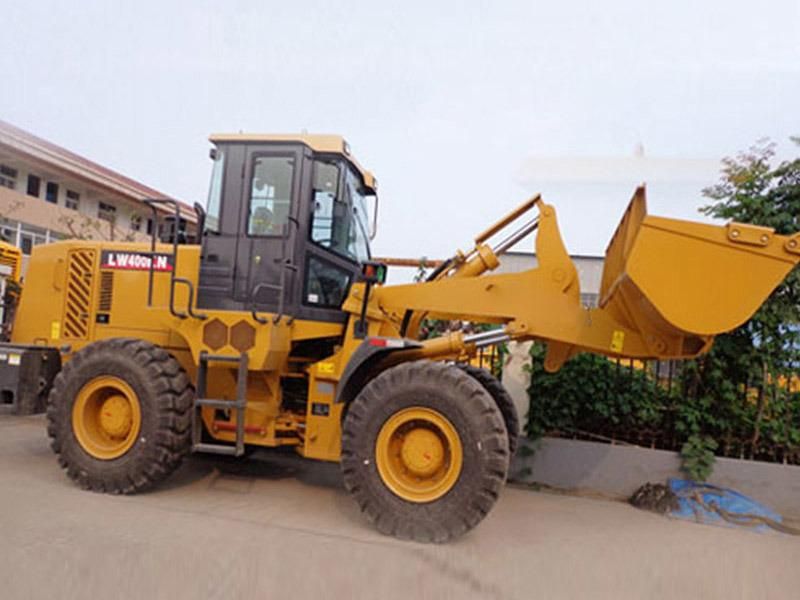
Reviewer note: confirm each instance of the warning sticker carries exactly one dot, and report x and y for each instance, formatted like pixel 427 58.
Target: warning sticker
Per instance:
pixel 617 341
pixel 326 368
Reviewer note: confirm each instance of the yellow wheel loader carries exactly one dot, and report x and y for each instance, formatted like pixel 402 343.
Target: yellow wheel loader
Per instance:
pixel 275 329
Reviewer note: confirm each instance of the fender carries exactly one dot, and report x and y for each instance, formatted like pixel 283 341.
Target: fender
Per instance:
pixel 366 362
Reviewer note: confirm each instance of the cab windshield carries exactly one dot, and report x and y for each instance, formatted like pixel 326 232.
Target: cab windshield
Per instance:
pixel 340 220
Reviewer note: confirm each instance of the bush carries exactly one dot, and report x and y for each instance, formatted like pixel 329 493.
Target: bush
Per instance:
pixel 592 396
pixel 697 456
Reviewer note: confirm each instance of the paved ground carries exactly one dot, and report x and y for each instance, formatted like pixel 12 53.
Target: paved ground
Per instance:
pixel 269 528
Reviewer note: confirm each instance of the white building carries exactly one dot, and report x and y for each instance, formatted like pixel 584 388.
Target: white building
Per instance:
pixel 48 193
pixel 590 271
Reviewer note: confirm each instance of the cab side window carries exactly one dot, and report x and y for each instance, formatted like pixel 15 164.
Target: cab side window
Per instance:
pixel 270 195
pixel 326 226
pixel 326 284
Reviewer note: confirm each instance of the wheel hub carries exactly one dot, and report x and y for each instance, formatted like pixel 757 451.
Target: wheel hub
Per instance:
pixel 116 416
pixel 106 417
pixel 418 454
pixel 422 451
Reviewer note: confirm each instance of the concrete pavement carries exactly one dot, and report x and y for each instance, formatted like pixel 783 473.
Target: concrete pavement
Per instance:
pixel 282 527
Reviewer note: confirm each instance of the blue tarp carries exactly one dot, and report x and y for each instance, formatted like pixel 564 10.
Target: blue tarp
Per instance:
pixel 693 496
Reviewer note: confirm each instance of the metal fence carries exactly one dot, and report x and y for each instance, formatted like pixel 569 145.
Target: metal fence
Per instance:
pixel 754 420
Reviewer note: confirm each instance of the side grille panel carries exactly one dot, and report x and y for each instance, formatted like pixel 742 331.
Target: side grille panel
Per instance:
pixel 106 291
pixel 78 294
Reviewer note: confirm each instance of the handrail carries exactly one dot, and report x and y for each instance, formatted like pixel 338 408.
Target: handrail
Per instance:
pixel 201 221
pixel 253 293
pixel 153 203
pixel 374 227
pixel 189 303
pixel 286 265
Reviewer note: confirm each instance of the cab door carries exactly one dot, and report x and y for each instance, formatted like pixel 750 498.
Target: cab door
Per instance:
pixel 327 269
pixel 271 182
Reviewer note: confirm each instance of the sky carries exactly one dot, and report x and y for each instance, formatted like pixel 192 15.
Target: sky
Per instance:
pixel 461 109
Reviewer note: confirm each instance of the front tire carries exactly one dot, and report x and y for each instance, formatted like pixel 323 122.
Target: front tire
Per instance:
pixel 501 397
pixel 424 451
pixel 119 416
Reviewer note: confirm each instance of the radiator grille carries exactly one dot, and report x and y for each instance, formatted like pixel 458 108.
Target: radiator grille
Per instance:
pixel 106 291
pixel 80 270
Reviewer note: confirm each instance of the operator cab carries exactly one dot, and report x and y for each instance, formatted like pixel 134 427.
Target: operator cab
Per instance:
pixel 288 225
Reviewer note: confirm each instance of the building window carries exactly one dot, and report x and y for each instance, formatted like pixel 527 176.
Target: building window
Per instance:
pixel 31 236
pixel 8 177
pixel 106 212
pixel 136 222
pixel 24 235
pixel 149 226
pixel 589 300
pixel 26 243
pixel 8 233
pixel 72 200
pixel 34 183
pixel 51 192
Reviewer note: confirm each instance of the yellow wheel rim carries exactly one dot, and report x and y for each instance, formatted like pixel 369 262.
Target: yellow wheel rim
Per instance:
pixel 106 417
pixel 418 454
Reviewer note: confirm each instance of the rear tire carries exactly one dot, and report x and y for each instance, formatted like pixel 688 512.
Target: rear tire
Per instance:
pixel 501 396
pixel 131 427
pixel 432 393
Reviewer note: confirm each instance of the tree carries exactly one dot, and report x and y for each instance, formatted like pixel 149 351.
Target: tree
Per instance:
pixel 766 350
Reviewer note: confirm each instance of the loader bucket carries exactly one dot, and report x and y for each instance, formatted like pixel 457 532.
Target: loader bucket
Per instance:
pixel 679 281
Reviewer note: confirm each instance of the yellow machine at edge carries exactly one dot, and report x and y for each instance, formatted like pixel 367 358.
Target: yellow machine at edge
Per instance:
pixel 276 329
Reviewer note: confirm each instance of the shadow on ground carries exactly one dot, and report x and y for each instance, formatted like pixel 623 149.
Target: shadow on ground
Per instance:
pixel 267 465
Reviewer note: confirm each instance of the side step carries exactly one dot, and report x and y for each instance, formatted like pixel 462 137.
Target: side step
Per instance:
pixel 239 404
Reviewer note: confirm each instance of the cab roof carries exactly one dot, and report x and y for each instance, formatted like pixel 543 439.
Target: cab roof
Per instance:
pixel 318 142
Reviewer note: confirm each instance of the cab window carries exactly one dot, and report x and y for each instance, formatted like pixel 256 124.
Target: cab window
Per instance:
pixel 358 239
pixel 326 225
pixel 339 213
pixel 326 284
pixel 270 195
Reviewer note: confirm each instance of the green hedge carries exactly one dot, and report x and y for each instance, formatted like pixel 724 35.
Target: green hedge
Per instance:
pixel 595 398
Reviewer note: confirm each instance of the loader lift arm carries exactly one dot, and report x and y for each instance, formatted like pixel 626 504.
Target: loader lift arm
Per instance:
pixel 669 286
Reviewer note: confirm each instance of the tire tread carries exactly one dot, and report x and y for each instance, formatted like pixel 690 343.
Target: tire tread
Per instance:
pixel 173 394
pixel 485 481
